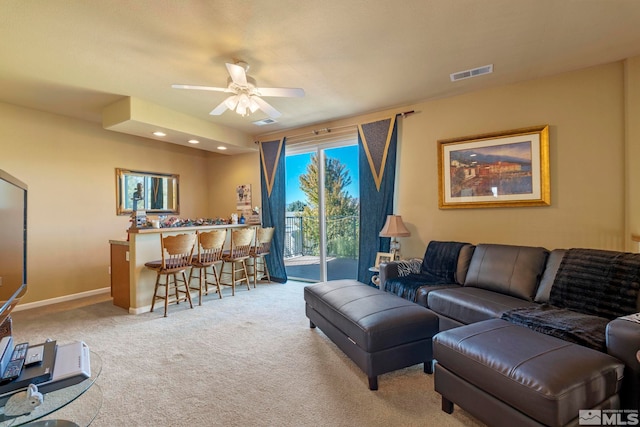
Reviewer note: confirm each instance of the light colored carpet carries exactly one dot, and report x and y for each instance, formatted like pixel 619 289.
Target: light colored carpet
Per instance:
pixel 247 360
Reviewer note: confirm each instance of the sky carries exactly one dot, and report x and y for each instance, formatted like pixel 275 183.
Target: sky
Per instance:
pixel 518 150
pixel 296 165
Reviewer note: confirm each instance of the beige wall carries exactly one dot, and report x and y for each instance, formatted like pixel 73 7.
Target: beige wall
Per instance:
pixel 584 110
pixel 69 166
pixel 632 164
pixel 225 173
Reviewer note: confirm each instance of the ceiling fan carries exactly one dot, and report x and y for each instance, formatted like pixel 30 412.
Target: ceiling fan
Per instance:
pixel 246 96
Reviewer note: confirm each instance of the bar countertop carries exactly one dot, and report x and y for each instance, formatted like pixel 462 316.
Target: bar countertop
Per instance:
pixel 187 228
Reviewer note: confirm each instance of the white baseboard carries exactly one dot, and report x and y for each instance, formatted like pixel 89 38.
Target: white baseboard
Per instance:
pixel 65 298
pixel 139 310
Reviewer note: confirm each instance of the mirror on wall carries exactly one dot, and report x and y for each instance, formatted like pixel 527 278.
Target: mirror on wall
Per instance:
pixel 156 193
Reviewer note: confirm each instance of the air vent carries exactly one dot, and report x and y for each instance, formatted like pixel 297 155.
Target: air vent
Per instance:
pixel 264 122
pixel 467 74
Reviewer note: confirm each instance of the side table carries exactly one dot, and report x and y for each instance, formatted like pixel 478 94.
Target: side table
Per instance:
pixel 375 279
pixel 51 411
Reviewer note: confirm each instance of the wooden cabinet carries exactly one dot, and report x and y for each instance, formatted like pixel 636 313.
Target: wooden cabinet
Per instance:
pixel 120 285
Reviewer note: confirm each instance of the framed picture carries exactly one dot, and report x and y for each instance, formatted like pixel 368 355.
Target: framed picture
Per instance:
pixel 501 169
pixel 383 257
pixel 243 197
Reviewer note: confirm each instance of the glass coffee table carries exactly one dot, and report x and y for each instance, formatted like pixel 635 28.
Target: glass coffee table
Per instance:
pixel 55 409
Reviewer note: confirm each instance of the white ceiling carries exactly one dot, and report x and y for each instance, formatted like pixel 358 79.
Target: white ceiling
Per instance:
pixel 76 57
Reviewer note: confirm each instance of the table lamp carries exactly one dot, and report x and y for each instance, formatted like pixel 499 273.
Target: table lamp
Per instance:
pixel 394 227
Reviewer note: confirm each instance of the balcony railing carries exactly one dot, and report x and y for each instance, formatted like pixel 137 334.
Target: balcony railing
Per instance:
pixel 302 236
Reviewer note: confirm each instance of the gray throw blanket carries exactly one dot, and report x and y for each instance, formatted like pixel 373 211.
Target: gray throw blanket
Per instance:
pixel 441 260
pixel 439 267
pixel 569 325
pixel 597 282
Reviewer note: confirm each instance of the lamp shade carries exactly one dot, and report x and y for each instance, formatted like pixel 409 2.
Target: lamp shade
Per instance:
pixel 394 227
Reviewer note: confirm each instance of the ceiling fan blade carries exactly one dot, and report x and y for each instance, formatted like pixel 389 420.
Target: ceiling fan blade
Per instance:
pixel 221 108
pixel 264 106
pixel 211 88
pixel 293 92
pixel 237 74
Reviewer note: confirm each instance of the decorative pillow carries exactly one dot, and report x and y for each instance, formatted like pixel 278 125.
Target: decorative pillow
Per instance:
pixel 546 282
pixel 409 266
pixel 464 259
pixel 508 269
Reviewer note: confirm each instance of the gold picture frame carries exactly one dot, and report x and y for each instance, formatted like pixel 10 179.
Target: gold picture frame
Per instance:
pixel 382 257
pixel 499 169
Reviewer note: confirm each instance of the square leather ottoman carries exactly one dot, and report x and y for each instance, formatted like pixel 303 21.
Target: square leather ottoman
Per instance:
pixel 379 331
pixel 504 374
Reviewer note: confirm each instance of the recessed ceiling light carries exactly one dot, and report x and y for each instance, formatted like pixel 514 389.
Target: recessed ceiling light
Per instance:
pixel 222 148
pixel 158 133
pixel 193 141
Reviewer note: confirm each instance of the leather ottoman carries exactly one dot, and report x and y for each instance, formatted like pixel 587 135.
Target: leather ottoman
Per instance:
pixel 379 331
pixel 507 375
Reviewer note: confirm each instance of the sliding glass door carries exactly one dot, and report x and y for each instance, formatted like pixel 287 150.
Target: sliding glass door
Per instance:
pixel 321 236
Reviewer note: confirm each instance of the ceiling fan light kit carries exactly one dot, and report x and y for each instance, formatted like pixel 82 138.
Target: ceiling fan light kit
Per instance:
pixel 240 103
pixel 247 95
pixel 231 102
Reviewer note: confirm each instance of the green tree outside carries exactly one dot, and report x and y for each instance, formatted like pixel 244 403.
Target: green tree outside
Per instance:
pixel 296 206
pixel 341 210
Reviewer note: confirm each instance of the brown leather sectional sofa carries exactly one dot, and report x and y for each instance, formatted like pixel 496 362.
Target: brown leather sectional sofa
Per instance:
pixel 585 297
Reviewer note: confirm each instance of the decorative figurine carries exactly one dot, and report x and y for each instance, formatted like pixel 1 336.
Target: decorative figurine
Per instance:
pixel 23 402
pixel 138 217
pixel 137 196
pixel 254 217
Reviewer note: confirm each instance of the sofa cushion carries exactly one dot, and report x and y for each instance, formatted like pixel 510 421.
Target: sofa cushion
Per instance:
pixel 549 275
pixel 511 270
pixel 597 282
pixel 423 292
pixel 469 305
pixel 568 325
pixel 464 259
pixel 409 286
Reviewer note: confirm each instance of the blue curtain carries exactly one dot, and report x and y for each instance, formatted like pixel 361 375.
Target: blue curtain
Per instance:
pixel 377 142
pixel 157 194
pixel 272 157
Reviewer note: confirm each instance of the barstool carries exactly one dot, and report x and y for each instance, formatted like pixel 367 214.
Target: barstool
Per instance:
pixel 261 249
pixel 176 258
pixel 210 246
pixel 238 253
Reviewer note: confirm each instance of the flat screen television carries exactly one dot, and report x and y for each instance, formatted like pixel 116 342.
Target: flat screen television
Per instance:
pixel 13 242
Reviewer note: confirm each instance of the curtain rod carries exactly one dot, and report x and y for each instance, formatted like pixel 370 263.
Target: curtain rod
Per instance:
pixel 316 132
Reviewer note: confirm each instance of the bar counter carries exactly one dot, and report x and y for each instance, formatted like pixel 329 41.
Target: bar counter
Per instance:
pixel 130 256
